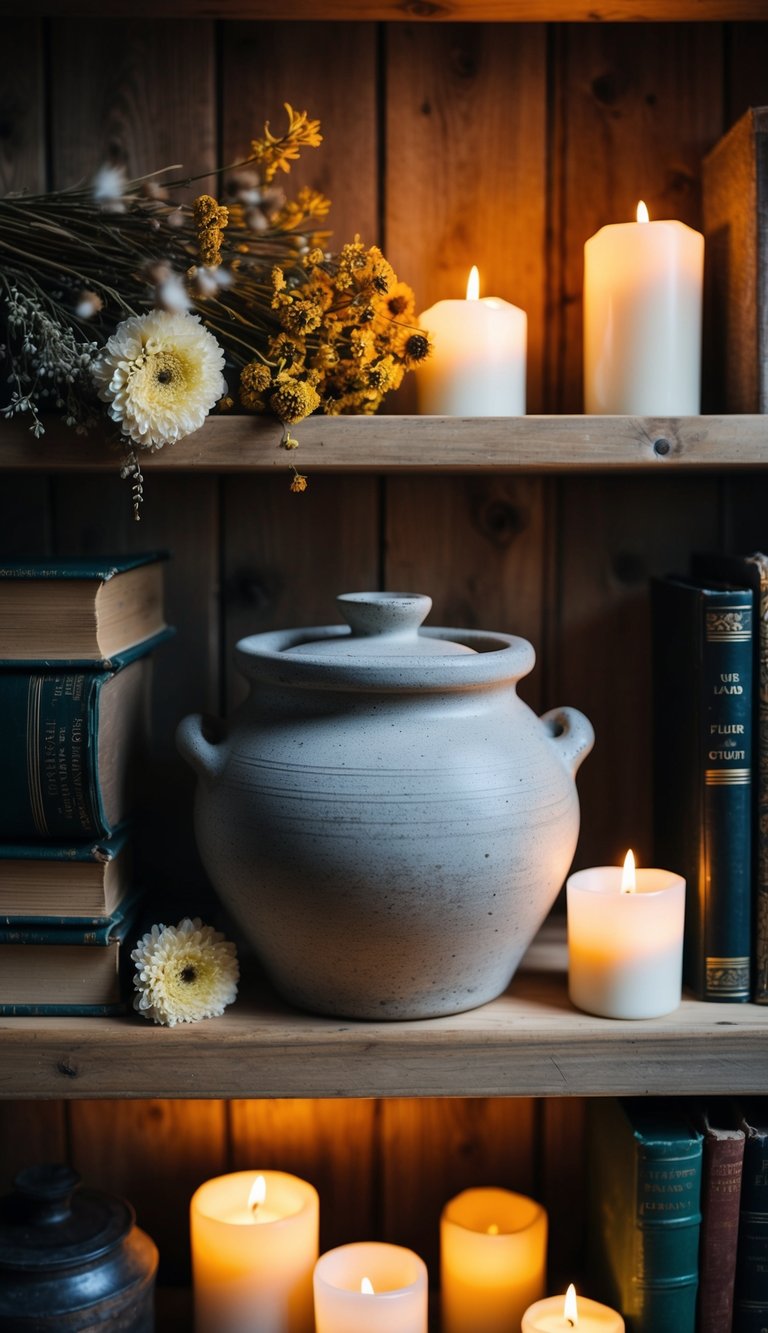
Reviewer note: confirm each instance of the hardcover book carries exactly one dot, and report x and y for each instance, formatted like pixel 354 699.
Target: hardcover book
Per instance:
pixel 720 1196
pixel 750 1313
pixel 752 572
pixel 644 1220
pixel 58 884
pixel 73 742
pixel 67 970
pixel 79 612
pixel 702 670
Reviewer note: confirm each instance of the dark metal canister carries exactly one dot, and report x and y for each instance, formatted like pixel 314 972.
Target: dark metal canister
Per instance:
pixel 72 1260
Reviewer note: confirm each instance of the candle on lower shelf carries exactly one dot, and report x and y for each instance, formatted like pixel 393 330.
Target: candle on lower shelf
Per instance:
pixel 254 1246
pixel 562 1314
pixel 369 1287
pixel 493 1247
pixel 625 941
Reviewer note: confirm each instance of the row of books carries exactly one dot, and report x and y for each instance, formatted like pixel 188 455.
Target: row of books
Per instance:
pixel 678 1201
pixel 710 676
pixel 76 643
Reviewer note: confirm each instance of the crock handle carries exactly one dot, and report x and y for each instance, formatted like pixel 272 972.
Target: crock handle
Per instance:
pixel 572 734
pixel 204 756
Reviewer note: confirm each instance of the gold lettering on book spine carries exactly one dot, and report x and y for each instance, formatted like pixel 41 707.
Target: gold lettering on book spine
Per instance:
pixel 728 976
pixel 731 626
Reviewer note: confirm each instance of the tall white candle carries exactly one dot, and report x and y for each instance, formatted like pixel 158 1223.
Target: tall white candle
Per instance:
pixel 252 1266
pixel 370 1287
pixel 477 364
pixel 558 1314
pixel 625 941
pixel 642 319
pixel 493 1249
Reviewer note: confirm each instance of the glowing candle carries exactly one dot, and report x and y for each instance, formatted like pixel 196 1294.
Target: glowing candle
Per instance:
pixel 642 318
pixel 254 1246
pixel 493 1247
pixel 625 940
pixel 477 364
pixel 559 1314
pixel 370 1287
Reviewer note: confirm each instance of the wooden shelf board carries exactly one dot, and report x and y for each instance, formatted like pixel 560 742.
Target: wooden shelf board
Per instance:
pixel 475 11
pixel 405 444
pixel 529 1042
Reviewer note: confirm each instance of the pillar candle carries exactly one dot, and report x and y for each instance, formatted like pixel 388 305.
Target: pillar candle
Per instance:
pixel 493 1247
pixel 625 946
pixel 477 364
pixel 370 1287
pixel 642 319
pixel 558 1314
pixel 252 1268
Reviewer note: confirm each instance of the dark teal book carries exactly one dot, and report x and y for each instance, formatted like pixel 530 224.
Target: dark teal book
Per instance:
pixel 73 743
pixel 72 612
pixel 750 1314
pixel 70 970
pixel 645 1163
pixel 60 884
pixel 702 802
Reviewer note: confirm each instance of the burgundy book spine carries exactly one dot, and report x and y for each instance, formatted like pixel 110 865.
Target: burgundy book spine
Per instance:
pixel 720 1197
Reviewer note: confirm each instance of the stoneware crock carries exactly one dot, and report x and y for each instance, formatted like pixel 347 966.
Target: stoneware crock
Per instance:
pixel 387 821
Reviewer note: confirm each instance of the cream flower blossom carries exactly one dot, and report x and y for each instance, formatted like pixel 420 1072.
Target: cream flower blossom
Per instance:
pixel 184 973
pixel 161 374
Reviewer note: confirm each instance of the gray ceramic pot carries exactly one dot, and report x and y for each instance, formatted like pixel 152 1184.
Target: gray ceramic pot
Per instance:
pixel 388 822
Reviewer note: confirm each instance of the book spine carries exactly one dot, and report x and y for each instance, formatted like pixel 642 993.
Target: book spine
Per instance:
pixel 720 1196
pixel 664 1275
pixel 48 780
pixel 719 954
pixel 760 825
pixel 750 1313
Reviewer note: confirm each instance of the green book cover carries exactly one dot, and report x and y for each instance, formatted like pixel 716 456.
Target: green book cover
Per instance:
pixel 645 1164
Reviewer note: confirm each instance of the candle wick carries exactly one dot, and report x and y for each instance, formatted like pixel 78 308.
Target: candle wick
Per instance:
pixel 570 1322
pixel 255 1207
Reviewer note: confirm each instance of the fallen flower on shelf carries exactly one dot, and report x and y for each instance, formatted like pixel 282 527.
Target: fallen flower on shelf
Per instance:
pixel 184 973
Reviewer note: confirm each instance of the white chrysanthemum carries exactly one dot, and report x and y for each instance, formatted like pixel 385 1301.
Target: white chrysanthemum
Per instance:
pixel 161 375
pixel 184 973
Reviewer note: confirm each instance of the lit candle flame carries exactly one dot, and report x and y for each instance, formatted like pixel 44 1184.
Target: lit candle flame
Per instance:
pixel 258 1193
pixel 493 1229
pixel 473 284
pixel 628 876
pixel 570 1308
pixel 642 212
pixel 366 1287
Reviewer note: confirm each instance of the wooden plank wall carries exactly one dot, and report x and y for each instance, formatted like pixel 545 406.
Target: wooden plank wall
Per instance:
pixel 505 146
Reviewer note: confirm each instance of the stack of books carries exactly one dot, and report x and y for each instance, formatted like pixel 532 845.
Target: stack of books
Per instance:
pixel 710 676
pixel 76 639
pixel 678 1213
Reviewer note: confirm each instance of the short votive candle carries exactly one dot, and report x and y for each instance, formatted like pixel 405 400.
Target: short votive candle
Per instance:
pixel 548 1316
pixel 397 1302
pixel 493 1249
pixel 252 1267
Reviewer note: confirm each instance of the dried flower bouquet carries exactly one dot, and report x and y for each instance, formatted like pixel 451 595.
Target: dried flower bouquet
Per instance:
pixel 121 303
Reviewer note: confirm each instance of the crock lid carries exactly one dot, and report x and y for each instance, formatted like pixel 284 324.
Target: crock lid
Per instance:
pixel 48 1222
pixel 383 624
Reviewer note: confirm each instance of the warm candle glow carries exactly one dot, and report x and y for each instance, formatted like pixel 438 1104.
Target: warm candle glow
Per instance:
pixel 258 1193
pixel 473 284
pixel 493 1229
pixel 628 876
pixel 570 1308
pixel 642 212
pixel 366 1287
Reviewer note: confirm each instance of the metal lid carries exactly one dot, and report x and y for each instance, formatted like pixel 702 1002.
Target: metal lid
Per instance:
pixel 382 624
pixel 49 1222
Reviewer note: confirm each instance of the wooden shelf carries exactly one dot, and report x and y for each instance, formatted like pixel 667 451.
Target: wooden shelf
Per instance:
pixel 415 444
pixel 530 1042
pixel 475 11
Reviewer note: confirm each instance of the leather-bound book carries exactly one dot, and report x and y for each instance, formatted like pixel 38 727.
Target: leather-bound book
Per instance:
pixel 720 1196
pixel 750 1309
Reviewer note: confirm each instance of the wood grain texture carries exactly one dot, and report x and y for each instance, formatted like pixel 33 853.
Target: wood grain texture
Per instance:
pixel 331 1144
pixel 421 11
pixel 746 68
pixel 466 169
pixel 529 1042
pixel 22 124
pixel 432 1149
pixel 30 1132
pixel 635 109
pixel 614 535
pixel 565 444
pixel 563 1186
pixel 154 1153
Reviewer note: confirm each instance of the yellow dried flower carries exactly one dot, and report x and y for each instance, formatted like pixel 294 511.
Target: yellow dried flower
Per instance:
pixel 255 377
pixel 210 219
pixel 226 404
pixel 274 154
pixel 308 203
pixel 415 349
pixel 278 279
pixel 293 400
pixel 299 483
pixel 400 302
pixel 297 315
